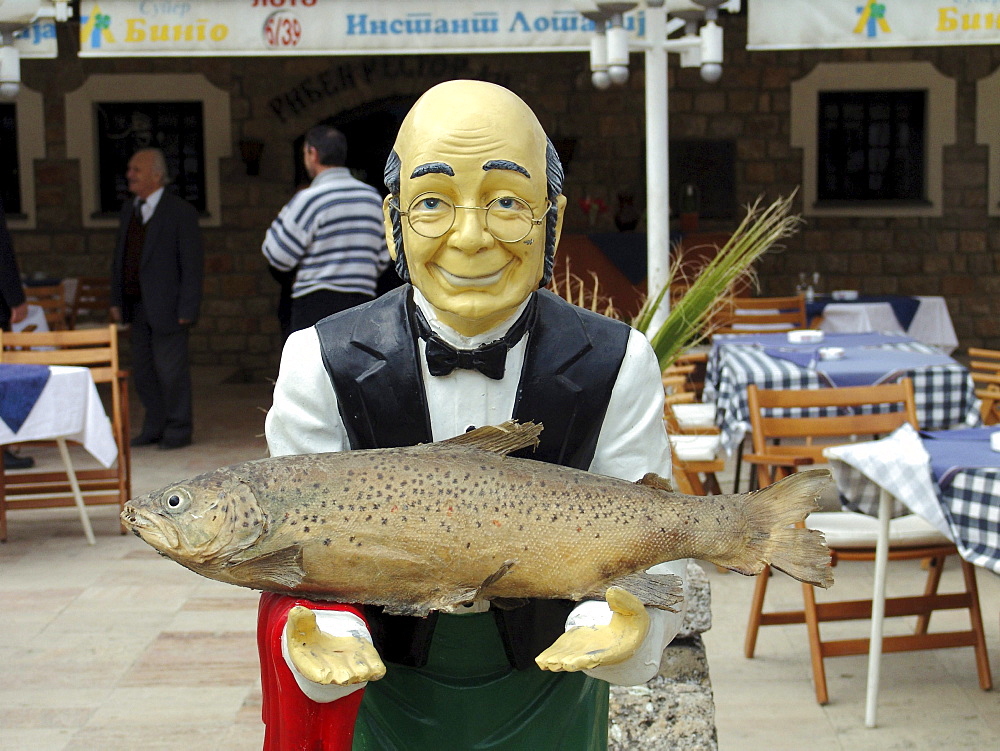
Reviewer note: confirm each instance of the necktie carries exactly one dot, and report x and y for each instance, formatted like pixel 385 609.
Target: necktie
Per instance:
pixel 137 214
pixel 489 359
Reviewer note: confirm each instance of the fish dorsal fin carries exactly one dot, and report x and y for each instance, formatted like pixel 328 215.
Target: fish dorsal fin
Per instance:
pixel 281 568
pixel 653 480
pixel 502 439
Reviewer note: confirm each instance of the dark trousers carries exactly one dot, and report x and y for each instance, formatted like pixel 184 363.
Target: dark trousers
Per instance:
pixel 162 377
pixel 310 309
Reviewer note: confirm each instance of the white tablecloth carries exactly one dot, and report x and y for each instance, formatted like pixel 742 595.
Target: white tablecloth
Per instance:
pixel 931 324
pixel 69 407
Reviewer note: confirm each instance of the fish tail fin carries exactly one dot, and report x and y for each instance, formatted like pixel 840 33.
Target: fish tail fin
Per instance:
pixel 774 540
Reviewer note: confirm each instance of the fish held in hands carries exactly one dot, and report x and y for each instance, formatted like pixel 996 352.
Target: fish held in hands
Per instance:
pixel 438 525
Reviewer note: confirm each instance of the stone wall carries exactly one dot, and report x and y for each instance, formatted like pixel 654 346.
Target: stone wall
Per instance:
pixel 276 100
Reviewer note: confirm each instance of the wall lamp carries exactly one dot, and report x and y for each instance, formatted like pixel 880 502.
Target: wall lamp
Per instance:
pixel 14 16
pixel 699 47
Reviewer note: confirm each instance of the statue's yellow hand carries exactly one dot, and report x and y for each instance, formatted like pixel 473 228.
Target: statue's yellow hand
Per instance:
pixel 325 659
pixel 590 647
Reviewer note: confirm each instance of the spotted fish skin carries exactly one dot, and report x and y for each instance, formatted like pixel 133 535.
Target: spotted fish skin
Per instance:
pixel 432 526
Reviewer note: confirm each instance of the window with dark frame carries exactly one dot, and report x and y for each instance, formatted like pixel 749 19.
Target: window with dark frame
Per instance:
pixel 710 166
pixel 10 183
pixel 871 146
pixel 176 128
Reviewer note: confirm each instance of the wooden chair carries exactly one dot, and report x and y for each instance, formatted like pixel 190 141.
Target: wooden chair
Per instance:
pixel 698 361
pixel 755 315
pixel 781 445
pixel 51 298
pixel 96 349
pixel 92 304
pixel 984 367
pixel 695 462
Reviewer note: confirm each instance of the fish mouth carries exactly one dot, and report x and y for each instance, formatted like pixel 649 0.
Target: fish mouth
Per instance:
pixel 151 528
pixel 472 281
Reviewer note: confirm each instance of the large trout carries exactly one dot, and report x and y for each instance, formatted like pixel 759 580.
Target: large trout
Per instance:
pixel 434 526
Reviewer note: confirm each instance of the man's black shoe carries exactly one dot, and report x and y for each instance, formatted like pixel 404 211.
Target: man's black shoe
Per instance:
pixel 144 439
pixel 174 443
pixel 13 461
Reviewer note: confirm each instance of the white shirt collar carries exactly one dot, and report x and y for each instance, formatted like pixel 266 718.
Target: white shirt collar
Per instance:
pixel 458 340
pixel 149 206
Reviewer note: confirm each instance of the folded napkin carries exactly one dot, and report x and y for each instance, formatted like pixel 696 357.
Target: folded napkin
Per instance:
pixel 900 464
pixel 804 357
pixel 20 387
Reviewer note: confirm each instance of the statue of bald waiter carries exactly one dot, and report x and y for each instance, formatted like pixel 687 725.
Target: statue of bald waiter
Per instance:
pixel 473 216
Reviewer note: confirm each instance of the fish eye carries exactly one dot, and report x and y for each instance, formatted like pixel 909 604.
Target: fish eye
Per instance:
pixel 177 499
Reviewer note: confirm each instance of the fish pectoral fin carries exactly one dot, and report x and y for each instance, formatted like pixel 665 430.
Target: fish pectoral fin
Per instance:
pixel 496 576
pixel 458 597
pixel 502 439
pixel 282 568
pixel 653 480
pixel 661 591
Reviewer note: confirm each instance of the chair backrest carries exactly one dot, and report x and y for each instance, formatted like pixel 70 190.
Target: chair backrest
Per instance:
pixel 749 315
pixel 984 359
pixel 787 423
pixel 51 298
pixel 984 367
pixel 96 349
pixel 696 378
pixel 92 301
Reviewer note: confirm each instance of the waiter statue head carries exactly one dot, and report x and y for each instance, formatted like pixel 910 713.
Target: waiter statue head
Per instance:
pixel 475 206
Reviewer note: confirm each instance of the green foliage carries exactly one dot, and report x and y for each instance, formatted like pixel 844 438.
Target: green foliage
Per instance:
pixel 689 320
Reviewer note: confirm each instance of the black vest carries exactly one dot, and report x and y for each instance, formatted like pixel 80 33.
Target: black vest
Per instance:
pixel 570 367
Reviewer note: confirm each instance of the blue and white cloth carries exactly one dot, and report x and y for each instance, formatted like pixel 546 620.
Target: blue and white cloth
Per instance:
pixel 950 478
pixel 943 390
pixel 20 387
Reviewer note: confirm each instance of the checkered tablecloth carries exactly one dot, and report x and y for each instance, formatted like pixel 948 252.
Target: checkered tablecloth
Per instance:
pixel 944 392
pixel 963 502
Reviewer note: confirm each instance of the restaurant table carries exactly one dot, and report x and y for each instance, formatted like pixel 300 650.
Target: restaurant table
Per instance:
pixel 59 403
pixel 944 391
pixel 951 478
pixel 925 318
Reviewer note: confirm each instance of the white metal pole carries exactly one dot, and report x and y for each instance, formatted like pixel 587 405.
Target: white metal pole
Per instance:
pixel 885 500
pixel 657 166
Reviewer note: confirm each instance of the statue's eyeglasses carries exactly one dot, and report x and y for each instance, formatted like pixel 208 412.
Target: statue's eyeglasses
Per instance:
pixel 508 218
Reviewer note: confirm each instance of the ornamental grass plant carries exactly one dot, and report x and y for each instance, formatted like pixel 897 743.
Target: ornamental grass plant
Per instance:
pixel 689 320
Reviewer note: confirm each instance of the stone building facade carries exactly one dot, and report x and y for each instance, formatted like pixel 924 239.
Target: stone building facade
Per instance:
pixel 951 248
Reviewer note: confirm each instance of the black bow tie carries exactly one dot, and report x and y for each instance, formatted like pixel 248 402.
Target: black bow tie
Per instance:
pixel 489 359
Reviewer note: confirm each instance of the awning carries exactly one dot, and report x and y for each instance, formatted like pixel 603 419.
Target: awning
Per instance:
pixel 138 28
pixel 811 24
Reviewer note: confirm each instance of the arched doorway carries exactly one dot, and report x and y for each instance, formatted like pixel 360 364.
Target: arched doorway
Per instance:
pixel 370 130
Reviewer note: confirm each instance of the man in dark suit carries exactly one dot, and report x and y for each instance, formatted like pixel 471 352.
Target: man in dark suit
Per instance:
pixel 156 281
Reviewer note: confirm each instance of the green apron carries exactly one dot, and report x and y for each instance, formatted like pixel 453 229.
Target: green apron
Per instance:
pixel 469 697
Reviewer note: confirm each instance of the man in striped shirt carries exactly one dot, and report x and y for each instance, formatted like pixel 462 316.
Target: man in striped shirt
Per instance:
pixel 330 233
